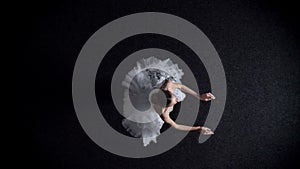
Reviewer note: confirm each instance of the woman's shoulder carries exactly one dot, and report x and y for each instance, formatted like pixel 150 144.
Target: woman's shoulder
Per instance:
pixel 175 85
pixel 168 109
pixel 171 84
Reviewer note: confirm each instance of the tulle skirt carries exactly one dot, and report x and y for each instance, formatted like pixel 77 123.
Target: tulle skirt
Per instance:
pixel 141 120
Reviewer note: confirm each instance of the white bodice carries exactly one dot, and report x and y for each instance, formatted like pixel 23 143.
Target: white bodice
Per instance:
pixel 179 94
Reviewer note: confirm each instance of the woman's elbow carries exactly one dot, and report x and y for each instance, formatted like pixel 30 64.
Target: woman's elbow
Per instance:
pixel 173 124
pixel 176 126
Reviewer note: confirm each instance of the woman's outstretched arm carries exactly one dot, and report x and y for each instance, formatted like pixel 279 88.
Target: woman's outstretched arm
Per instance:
pixel 203 130
pixel 168 120
pixel 184 88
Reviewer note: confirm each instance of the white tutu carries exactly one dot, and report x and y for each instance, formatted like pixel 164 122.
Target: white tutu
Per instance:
pixel 142 120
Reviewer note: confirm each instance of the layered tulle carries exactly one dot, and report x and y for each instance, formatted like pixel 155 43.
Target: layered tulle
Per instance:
pixel 141 120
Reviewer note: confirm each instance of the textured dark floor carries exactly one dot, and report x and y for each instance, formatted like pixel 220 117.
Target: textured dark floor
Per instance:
pixel 257 42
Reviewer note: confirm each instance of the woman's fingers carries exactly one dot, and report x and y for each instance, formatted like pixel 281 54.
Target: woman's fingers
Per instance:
pixel 206 131
pixel 211 96
pixel 209 133
pixel 207 97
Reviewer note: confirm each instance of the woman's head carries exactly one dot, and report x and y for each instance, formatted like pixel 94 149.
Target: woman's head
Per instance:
pixel 163 98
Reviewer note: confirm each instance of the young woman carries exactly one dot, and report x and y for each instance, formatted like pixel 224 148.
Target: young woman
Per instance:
pixel 152 88
pixel 173 92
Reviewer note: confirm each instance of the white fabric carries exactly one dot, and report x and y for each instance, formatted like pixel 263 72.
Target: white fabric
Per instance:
pixel 142 120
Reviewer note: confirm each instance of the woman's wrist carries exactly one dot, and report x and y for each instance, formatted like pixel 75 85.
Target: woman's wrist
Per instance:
pixel 198 128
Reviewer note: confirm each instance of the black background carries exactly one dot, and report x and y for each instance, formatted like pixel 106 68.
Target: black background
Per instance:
pixel 257 42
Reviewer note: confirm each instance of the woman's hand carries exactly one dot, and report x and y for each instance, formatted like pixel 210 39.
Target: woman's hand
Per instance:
pixel 206 97
pixel 206 131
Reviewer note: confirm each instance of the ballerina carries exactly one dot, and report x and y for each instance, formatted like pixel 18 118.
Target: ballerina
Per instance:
pixel 152 90
pixel 172 91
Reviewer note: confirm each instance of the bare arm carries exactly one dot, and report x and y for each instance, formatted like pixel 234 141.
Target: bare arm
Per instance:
pixel 168 120
pixel 184 88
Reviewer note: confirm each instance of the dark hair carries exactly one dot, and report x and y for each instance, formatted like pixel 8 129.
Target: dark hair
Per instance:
pixel 162 98
pixel 164 84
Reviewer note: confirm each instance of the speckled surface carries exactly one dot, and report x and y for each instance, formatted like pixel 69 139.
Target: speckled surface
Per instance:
pixel 257 42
